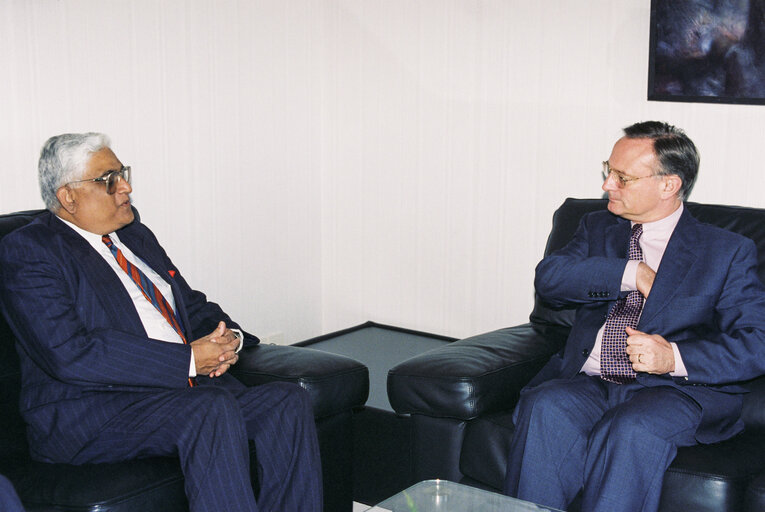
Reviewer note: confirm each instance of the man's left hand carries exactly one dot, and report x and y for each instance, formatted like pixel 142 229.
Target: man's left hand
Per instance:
pixel 215 353
pixel 649 353
pixel 225 362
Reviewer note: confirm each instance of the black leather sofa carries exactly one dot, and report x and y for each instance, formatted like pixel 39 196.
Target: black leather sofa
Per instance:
pixel 337 385
pixel 460 397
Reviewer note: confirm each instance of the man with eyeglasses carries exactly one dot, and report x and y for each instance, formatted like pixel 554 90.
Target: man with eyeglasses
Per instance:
pixel 121 359
pixel 670 319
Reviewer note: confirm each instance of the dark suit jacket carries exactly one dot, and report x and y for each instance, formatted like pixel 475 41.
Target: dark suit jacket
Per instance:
pixel 82 347
pixel 707 298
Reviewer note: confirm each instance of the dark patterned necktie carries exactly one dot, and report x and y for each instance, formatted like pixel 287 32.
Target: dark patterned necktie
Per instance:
pixel 147 287
pixel 615 365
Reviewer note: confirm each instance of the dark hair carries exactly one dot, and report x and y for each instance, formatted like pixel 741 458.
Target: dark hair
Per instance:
pixel 675 152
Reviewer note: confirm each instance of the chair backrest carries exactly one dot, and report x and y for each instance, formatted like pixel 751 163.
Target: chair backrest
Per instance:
pixel 13 441
pixel 749 222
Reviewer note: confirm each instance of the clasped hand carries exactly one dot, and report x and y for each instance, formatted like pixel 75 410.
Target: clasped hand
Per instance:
pixel 215 353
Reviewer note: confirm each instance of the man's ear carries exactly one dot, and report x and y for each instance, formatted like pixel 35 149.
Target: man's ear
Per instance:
pixel 672 185
pixel 67 197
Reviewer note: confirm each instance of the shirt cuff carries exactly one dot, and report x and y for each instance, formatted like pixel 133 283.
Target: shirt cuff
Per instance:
pixel 192 366
pixel 629 278
pixel 680 370
pixel 238 334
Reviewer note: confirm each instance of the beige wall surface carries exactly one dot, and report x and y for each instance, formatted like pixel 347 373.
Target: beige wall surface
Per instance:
pixel 312 164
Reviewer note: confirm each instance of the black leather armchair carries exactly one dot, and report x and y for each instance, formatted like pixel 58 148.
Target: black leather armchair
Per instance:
pixel 337 384
pixel 460 397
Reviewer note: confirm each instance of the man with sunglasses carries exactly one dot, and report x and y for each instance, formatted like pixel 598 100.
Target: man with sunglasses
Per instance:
pixel 670 320
pixel 121 359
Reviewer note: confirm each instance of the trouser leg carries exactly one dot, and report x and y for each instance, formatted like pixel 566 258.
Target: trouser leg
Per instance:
pixel 279 419
pixel 9 500
pixel 203 426
pixel 633 445
pixel 547 454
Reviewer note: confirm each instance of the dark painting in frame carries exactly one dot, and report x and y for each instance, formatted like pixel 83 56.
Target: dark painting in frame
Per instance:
pixel 710 51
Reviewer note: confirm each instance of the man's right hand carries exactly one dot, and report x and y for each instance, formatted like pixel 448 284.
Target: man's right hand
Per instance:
pixel 215 353
pixel 644 279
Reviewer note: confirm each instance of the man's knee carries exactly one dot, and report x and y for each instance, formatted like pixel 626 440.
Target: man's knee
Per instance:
pixel 627 425
pixel 546 399
pixel 294 397
pixel 645 417
pixel 215 401
pixel 283 399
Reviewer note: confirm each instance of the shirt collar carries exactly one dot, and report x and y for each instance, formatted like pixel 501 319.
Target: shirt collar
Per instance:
pixel 93 238
pixel 663 226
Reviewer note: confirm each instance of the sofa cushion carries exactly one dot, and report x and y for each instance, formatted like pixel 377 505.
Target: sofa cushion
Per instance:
pixel 710 478
pixel 149 484
pixel 153 484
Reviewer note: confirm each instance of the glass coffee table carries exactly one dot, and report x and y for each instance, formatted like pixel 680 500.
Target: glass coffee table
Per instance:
pixel 446 496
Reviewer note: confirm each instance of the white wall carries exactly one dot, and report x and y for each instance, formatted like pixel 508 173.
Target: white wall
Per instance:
pixel 455 129
pixel 214 104
pixel 312 164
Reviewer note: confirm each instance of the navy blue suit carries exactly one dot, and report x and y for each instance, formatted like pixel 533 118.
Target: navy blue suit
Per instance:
pixel 95 388
pixel 707 298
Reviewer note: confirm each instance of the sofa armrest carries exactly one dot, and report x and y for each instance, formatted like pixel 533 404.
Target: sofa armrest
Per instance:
pixel 335 383
pixel 474 376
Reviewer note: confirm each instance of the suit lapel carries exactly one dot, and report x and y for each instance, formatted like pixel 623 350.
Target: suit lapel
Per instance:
pixel 106 286
pixel 677 261
pixel 617 238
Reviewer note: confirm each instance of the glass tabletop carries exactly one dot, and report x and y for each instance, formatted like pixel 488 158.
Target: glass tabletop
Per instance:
pixel 446 496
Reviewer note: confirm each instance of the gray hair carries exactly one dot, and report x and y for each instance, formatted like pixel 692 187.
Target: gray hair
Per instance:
pixel 63 159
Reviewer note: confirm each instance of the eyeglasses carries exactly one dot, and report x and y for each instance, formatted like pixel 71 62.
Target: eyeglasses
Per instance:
pixel 621 178
pixel 111 179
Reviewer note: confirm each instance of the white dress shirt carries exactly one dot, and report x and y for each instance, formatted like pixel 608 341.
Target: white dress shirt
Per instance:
pixel 157 327
pixel 653 242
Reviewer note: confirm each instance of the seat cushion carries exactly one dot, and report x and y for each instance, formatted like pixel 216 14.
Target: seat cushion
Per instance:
pixel 713 478
pixel 154 484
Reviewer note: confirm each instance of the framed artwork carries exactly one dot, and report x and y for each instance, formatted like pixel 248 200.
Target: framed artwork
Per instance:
pixel 707 51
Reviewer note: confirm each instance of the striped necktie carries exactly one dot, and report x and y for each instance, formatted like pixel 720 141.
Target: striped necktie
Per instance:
pixel 148 289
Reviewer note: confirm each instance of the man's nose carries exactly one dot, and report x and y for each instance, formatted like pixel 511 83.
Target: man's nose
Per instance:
pixel 610 183
pixel 123 187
